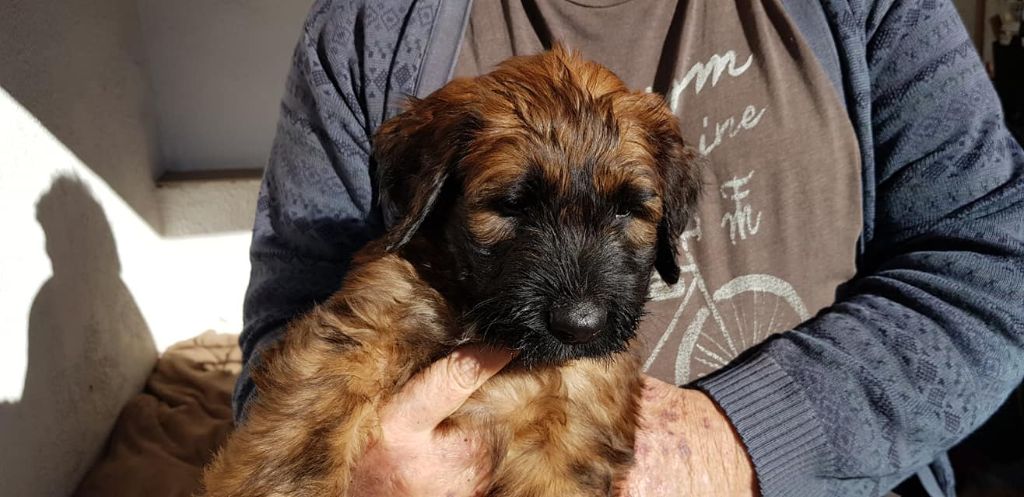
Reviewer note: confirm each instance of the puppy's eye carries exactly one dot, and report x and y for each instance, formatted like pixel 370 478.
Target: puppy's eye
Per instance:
pixel 511 206
pixel 631 203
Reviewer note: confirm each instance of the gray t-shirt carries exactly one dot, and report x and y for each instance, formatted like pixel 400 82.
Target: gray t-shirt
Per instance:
pixel 777 228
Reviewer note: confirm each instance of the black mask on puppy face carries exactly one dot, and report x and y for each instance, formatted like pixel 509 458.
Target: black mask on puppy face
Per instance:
pixel 555 192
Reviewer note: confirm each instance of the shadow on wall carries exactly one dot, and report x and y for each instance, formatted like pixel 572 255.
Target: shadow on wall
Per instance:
pixel 78 68
pixel 86 339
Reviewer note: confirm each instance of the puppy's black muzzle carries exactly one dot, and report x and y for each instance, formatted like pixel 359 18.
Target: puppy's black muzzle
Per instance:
pixel 577 322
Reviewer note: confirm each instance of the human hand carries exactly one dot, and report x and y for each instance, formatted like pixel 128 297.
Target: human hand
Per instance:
pixel 686 446
pixel 413 458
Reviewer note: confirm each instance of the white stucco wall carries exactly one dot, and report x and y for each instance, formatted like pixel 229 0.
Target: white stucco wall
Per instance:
pixel 218 70
pixel 99 269
pixel 89 293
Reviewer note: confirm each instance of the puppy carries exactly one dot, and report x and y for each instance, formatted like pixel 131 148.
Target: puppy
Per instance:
pixel 533 205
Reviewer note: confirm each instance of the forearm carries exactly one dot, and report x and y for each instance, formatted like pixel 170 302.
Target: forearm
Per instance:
pixel 926 342
pixel 686 446
pixel 911 359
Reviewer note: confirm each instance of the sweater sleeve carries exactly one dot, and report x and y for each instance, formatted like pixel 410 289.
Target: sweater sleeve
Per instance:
pixel 927 341
pixel 316 205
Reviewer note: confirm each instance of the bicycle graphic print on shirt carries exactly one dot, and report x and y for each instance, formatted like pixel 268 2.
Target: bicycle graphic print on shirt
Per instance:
pixel 730 319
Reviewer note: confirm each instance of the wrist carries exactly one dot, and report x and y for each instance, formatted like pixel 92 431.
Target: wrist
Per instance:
pixel 687 446
pixel 777 423
pixel 723 446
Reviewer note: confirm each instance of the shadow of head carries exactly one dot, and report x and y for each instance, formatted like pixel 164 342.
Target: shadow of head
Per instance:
pixel 78 236
pixel 89 350
pixel 84 312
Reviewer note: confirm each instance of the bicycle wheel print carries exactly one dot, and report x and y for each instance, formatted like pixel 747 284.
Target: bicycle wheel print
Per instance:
pixel 741 314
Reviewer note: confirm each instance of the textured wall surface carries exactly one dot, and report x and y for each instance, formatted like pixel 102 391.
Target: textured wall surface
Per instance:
pixel 99 269
pixel 205 207
pixel 218 70
pixel 78 67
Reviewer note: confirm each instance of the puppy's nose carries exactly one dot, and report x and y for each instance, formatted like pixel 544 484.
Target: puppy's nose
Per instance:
pixel 577 322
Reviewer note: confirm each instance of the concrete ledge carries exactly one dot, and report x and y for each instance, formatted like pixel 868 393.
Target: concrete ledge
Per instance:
pixel 208 202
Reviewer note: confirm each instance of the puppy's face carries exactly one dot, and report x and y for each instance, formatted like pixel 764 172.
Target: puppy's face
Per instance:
pixel 555 191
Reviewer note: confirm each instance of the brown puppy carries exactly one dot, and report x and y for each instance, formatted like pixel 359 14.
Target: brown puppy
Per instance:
pixel 534 203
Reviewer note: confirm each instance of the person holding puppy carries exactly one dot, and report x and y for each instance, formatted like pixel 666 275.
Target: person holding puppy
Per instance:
pixel 849 306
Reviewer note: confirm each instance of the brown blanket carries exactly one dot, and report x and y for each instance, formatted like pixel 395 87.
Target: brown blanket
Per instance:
pixel 166 434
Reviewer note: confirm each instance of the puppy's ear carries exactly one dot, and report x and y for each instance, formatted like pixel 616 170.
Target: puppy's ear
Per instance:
pixel 680 168
pixel 416 154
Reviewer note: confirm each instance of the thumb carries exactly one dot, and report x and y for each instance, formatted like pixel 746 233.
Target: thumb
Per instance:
pixel 438 391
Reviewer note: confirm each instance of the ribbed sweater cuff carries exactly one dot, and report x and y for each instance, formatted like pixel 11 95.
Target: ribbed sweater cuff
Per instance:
pixel 781 432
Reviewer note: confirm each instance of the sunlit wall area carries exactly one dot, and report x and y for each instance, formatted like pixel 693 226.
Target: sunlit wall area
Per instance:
pixel 100 269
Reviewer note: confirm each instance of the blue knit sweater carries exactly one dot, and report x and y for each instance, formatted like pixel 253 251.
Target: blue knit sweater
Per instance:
pixel 919 348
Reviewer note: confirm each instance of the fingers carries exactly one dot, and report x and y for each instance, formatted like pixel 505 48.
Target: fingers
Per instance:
pixel 441 389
